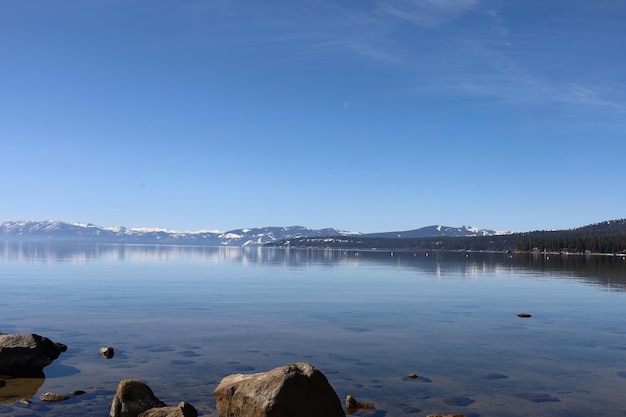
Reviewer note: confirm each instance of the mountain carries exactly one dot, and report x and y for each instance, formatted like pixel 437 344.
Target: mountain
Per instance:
pixel 434 231
pixel 85 232
pixel 608 237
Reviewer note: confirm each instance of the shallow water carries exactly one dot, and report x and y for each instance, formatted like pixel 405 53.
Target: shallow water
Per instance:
pixel 181 318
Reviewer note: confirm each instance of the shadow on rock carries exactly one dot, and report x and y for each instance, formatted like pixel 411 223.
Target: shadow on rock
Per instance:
pixel 27 354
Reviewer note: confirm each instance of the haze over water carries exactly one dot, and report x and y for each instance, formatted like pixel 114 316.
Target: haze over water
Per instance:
pixel 181 318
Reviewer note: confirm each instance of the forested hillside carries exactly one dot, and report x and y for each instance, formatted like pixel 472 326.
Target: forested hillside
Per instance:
pixel 604 237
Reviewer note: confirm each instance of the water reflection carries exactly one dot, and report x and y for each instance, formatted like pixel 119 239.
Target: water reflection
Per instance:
pixel 14 389
pixel 609 271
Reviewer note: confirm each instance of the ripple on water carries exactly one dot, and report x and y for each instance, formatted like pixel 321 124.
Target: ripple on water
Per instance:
pixel 243 368
pixel 181 362
pixel 537 397
pixel 158 349
pixel 188 354
pixel 458 401
pixel 494 375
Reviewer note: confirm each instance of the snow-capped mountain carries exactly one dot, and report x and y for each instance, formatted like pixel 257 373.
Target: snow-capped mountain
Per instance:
pixel 85 232
pixel 434 231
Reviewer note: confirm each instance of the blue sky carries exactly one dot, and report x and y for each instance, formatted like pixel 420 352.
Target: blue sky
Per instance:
pixel 360 115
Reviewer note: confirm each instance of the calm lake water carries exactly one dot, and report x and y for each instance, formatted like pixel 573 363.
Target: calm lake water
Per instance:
pixel 181 318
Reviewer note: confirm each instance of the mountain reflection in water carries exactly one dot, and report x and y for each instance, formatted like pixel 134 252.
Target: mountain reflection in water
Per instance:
pixel 604 270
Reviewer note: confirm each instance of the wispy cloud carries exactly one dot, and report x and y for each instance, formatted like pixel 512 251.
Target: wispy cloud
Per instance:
pixel 490 55
pixel 427 13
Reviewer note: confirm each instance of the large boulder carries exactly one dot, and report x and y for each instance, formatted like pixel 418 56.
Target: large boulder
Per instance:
pixel 296 390
pixel 27 354
pixel 134 398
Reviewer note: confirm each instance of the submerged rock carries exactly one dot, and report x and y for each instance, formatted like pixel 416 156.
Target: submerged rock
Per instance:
pixel 27 354
pixel 292 390
pixel 52 397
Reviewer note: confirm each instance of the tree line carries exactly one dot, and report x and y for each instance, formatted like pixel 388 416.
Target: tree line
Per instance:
pixel 605 237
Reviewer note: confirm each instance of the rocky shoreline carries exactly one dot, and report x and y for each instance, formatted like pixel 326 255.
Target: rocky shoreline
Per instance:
pixel 296 389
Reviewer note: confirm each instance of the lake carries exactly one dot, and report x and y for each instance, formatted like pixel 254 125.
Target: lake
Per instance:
pixel 182 317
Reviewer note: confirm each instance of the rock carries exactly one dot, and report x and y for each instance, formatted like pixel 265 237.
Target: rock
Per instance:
pixel 52 397
pixel 27 354
pixel 183 409
pixel 132 398
pixel 523 315
pixel 135 399
pixel 352 405
pixel 107 352
pixel 77 392
pixel 412 376
pixel 292 390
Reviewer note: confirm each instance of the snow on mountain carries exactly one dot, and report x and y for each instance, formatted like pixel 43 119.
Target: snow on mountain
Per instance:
pixel 438 230
pixel 85 232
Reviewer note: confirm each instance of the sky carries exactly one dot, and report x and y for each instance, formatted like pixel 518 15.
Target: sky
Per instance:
pixel 361 115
